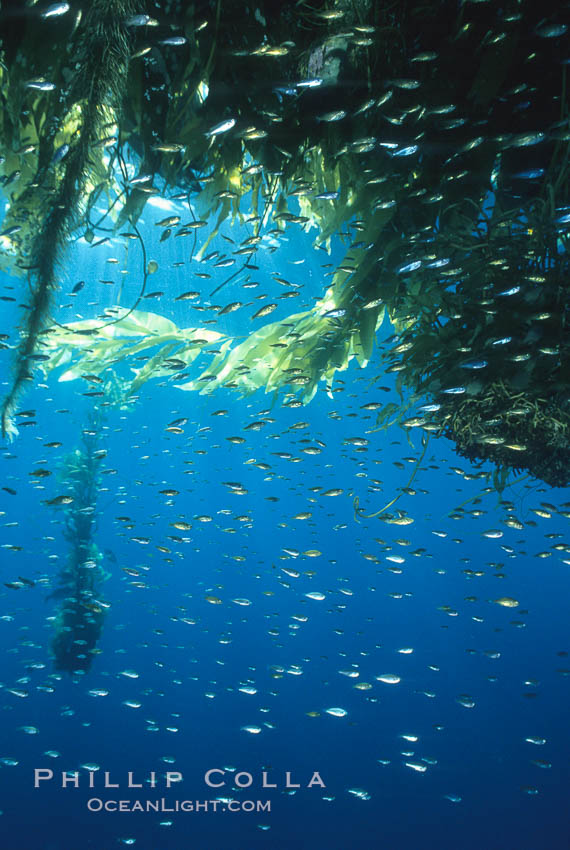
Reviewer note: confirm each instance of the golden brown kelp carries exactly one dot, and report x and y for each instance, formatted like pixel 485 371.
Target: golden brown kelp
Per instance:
pixel 80 618
pixel 95 94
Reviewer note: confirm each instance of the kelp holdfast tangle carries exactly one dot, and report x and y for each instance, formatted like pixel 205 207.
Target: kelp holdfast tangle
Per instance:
pixel 530 434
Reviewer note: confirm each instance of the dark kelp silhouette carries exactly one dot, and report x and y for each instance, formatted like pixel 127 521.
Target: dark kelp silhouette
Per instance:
pixel 81 614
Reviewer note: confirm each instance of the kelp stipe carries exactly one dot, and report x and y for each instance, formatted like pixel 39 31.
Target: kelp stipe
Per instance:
pixel 101 59
pixel 78 630
pixel 80 619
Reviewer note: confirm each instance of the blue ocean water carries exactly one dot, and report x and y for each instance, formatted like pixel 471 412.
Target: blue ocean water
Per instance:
pixel 437 756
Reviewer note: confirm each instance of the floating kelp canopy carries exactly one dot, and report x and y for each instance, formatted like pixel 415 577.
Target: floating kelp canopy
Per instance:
pixel 432 137
pixel 80 617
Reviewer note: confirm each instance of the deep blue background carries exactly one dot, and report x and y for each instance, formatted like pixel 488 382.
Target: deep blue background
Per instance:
pixel 189 673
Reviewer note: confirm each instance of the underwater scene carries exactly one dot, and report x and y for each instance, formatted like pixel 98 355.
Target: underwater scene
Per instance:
pixel 285 424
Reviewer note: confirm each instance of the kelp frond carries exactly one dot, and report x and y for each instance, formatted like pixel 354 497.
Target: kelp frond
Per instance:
pixel 91 346
pixel 298 352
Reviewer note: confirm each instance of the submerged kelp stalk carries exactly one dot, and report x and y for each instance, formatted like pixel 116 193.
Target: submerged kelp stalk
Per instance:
pixel 96 93
pixel 80 619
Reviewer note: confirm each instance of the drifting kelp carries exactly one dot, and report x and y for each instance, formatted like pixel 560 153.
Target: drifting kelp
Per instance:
pixel 80 618
pixel 494 380
pixel 390 126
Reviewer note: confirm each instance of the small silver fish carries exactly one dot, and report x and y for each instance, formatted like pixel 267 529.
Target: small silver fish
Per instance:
pixel 60 154
pixel 335 115
pixel 40 84
pixel 55 10
pixel 141 21
pixel 223 127
pixel 174 41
